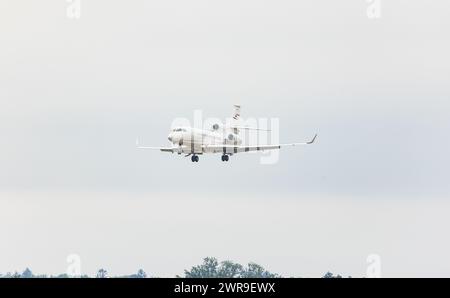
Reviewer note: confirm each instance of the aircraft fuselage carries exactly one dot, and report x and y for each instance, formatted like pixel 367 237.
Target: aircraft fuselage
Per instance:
pixel 193 140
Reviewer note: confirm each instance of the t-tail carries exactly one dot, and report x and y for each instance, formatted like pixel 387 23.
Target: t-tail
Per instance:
pixel 236 125
pixel 237 112
pixel 236 118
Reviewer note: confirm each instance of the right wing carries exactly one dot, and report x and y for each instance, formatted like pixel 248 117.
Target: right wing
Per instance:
pixel 247 128
pixel 240 148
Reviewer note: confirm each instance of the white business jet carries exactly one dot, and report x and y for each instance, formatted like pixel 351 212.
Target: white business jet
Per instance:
pixel 225 140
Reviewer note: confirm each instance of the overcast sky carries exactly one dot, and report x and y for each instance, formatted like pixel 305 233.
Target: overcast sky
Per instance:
pixel 75 94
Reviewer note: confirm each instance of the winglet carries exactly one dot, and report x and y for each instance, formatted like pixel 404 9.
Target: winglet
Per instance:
pixel 312 141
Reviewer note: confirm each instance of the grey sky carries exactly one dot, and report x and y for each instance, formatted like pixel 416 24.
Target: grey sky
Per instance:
pixel 74 95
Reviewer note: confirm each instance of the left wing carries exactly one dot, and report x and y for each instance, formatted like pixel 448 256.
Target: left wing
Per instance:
pixel 163 149
pixel 240 148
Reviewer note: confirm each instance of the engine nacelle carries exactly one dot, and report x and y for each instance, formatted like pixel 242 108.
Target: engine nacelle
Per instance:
pixel 233 139
pixel 216 126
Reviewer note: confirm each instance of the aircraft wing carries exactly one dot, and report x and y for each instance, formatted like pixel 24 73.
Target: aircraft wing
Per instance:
pixel 163 149
pixel 240 148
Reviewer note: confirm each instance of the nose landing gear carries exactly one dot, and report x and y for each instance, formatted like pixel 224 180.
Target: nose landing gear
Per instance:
pixel 225 157
pixel 194 158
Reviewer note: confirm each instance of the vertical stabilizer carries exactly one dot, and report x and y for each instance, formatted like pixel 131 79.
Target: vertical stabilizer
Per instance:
pixel 236 118
pixel 237 112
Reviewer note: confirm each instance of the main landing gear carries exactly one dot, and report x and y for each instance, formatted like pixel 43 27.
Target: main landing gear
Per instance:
pixel 194 158
pixel 225 157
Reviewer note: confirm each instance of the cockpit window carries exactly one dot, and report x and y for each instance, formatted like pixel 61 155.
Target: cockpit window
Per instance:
pixel 179 129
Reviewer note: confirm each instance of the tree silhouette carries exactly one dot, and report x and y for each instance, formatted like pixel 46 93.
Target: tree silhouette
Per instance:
pixel 210 268
pixel 27 273
pixel 330 275
pixel 141 274
pixel 227 269
pixel 206 270
pixel 254 270
pixel 102 273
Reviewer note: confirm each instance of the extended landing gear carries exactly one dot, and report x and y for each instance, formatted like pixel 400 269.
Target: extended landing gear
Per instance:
pixel 225 157
pixel 194 158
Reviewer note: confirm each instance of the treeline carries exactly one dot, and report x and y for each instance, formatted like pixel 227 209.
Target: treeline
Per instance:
pixel 210 268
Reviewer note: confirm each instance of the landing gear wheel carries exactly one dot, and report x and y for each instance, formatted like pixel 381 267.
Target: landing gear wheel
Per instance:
pixel 225 157
pixel 194 158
